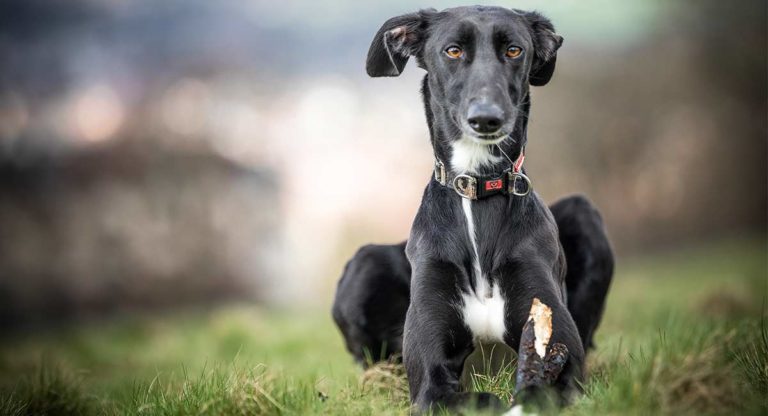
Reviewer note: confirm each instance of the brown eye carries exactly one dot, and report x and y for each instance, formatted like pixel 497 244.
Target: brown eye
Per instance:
pixel 454 52
pixel 514 52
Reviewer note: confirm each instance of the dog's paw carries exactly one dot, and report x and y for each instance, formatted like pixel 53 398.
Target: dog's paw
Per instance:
pixel 518 410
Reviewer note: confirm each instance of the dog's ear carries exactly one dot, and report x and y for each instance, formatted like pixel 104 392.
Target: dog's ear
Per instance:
pixel 398 39
pixel 546 43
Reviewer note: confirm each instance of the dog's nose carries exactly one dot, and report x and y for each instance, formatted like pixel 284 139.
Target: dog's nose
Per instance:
pixel 485 118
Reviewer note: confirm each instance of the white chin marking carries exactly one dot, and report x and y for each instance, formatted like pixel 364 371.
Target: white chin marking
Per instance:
pixel 469 154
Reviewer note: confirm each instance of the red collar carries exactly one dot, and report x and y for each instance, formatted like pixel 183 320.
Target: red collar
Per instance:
pixel 518 165
pixel 510 182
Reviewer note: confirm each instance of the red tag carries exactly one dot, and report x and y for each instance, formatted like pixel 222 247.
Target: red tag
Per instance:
pixel 494 184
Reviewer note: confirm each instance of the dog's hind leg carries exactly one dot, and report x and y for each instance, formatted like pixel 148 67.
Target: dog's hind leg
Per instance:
pixel 371 301
pixel 589 262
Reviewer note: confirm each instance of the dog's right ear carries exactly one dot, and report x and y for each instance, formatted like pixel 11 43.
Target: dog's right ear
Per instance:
pixel 546 43
pixel 396 41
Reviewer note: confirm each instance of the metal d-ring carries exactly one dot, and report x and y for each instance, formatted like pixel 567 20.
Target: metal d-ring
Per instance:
pixel 465 186
pixel 512 188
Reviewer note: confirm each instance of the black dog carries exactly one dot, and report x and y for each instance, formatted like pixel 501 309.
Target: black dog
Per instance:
pixel 371 300
pixel 482 245
pixel 373 293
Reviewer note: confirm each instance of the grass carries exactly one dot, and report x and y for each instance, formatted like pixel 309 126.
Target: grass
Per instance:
pixel 684 332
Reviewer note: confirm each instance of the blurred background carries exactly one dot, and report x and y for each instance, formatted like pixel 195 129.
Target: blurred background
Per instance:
pixel 187 152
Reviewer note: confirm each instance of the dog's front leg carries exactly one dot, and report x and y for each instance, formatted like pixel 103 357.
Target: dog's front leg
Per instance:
pixel 436 341
pixel 527 286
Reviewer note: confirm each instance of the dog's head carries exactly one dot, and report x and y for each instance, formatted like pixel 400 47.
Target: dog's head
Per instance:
pixel 480 62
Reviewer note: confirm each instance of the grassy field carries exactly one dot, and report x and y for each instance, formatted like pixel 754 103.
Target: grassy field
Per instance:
pixel 682 333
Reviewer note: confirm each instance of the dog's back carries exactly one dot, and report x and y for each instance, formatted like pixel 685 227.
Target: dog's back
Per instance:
pixel 371 301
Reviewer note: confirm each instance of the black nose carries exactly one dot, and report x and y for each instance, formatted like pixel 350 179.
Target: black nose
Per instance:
pixel 485 118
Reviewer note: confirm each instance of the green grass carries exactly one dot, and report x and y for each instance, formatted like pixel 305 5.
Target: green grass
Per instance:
pixel 684 332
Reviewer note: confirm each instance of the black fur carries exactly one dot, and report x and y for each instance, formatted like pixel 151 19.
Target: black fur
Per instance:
pixel 589 262
pixel 374 291
pixel 371 300
pixel 518 244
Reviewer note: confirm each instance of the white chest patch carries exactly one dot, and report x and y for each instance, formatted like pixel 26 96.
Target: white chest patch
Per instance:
pixel 483 310
pixel 484 316
pixel 468 155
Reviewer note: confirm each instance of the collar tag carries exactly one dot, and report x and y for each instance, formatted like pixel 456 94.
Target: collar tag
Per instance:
pixel 494 185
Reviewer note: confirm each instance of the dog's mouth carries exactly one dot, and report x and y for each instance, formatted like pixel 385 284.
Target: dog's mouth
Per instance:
pixel 485 139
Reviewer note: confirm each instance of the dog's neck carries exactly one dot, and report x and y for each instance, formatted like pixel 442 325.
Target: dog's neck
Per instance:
pixel 461 154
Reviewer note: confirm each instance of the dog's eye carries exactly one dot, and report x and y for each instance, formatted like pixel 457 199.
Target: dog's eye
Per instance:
pixel 514 52
pixel 454 52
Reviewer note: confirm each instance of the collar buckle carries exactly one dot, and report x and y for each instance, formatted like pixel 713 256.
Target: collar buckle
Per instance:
pixel 465 186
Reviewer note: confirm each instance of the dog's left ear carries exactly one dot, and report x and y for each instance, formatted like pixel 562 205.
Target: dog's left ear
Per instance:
pixel 546 43
pixel 398 39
